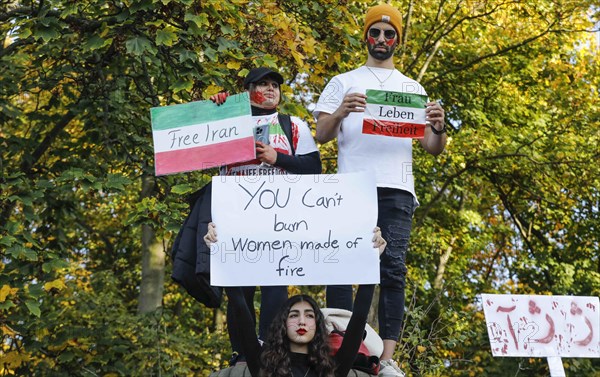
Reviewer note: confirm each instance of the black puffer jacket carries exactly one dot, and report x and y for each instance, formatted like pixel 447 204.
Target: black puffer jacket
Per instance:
pixel 191 256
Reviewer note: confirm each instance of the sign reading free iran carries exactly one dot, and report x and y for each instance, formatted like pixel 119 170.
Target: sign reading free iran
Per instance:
pixel 201 135
pixel 394 114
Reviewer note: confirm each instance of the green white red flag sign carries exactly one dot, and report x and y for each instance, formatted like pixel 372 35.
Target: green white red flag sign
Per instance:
pixel 201 135
pixel 394 114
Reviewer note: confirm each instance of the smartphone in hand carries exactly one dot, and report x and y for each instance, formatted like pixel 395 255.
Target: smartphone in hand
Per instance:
pixel 261 133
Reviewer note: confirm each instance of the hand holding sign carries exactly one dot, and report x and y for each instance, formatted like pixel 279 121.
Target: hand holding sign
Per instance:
pixel 352 103
pixel 219 98
pixel 211 235
pixel 378 241
pixel 434 114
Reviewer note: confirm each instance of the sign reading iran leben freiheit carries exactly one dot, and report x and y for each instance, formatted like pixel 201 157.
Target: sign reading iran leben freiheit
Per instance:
pixel 394 114
pixel 294 230
pixel 201 135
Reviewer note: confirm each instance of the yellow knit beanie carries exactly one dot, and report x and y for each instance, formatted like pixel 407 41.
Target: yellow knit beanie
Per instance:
pixel 383 13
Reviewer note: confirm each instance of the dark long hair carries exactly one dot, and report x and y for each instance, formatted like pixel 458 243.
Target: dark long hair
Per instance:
pixel 275 359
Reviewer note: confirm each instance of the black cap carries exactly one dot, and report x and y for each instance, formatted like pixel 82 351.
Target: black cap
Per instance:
pixel 256 74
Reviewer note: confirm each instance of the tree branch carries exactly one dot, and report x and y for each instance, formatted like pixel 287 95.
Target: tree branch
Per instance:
pixel 84 24
pixel 441 269
pixel 406 29
pixel 440 192
pixel 15 45
pixel 429 41
pixel 490 55
pixel 27 165
pixel 428 60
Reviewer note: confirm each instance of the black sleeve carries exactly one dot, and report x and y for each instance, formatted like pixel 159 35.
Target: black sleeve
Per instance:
pixel 245 327
pixel 300 164
pixel 354 332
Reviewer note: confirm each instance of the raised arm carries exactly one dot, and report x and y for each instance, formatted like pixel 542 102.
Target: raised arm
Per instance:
pixel 355 330
pixel 301 163
pixel 356 326
pixel 245 326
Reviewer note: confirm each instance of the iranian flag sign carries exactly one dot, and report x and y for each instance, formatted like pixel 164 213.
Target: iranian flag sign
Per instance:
pixel 394 114
pixel 201 135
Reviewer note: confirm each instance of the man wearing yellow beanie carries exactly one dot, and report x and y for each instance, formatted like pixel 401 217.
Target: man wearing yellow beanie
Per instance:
pixel 339 114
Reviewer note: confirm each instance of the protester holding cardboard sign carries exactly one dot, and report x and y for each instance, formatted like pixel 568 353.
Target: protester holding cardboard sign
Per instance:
pixel 295 153
pixel 284 145
pixel 365 142
pixel 297 342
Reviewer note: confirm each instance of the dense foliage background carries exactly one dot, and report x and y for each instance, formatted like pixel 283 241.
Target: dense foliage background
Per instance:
pixel 511 206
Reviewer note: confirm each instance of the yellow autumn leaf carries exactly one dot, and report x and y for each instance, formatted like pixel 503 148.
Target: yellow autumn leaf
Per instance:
pixel 42 332
pixel 14 359
pixel 333 58
pixel 298 57
pixel 309 46
pixel 72 342
pixel 8 331
pixel 421 349
pixel 57 348
pixel 212 89
pixel 233 65
pixel 7 290
pixel 58 284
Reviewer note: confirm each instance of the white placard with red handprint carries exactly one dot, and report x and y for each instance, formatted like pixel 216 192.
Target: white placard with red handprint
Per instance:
pixel 542 326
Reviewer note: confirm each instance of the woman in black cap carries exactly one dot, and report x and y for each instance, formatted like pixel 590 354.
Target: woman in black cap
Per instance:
pixel 291 149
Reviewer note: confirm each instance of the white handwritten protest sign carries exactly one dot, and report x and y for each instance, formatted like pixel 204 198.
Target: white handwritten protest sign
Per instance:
pixel 201 135
pixel 542 326
pixel 394 114
pixel 294 230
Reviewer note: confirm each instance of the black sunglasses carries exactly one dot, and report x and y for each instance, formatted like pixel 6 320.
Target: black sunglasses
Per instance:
pixel 388 34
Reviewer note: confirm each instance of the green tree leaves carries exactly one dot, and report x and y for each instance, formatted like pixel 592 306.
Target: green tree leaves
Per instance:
pixel 511 205
pixel 139 45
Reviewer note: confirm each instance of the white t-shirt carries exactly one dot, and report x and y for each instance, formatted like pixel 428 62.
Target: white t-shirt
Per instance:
pixel 389 158
pixel 301 137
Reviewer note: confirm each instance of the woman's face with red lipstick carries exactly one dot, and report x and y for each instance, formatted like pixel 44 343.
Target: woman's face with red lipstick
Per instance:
pixel 301 326
pixel 264 93
pixel 379 45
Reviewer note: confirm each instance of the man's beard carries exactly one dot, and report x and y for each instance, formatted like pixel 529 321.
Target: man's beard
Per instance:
pixel 380 55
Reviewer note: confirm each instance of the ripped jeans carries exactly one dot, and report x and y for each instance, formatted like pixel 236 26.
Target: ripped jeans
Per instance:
pixel 396 209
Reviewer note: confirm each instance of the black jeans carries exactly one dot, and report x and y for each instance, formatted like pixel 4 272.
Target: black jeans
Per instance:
pixel 271 299
pixel 396 209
